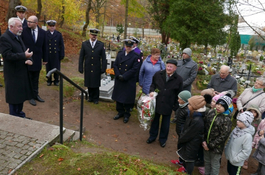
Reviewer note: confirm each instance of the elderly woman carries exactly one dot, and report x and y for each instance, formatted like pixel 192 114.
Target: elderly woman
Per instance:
pixel 150 66
pixel 254 96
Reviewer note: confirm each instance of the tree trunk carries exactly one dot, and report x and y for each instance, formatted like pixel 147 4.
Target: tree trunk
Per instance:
pixel 126 19
pixel 39 9
pixel 63 13
pixel 87 18
pixel 11 8
pixel 103 23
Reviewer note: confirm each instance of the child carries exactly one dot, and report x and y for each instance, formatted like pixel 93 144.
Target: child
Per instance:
pixel 192 134
pixel 255 124
pixel 259 130
pixel 259 154
pixel 238 147
pixel 180 117
pixel 217 129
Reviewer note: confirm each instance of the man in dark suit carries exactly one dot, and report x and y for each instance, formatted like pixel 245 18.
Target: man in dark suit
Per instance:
pixel 16 61
pixel 94 56
pixel 35 39
pixel 21 13
pixel 55 51
pixel 125 66
pixel 169 84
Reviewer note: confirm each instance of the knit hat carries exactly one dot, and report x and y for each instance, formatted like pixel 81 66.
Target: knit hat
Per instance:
pixel 209 91
pixel 225 101
pixel 184 95
pixel 187 51
pixel 196 102
pixel 246 117
pixel 257 111
pixel 216 97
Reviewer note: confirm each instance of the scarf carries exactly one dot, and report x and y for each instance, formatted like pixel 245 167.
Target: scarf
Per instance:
pixel 255 90
pixel 183 105
pixel 237 132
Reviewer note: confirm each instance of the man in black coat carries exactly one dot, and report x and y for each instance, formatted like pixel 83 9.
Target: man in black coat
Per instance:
pixel 55 46
pixel 125 66
pixel 94 56
pixel 34 38
pixel 21 13
pixel 169 84
pixel 16 60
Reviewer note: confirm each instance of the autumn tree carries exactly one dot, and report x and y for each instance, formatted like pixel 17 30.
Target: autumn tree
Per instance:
pixel 11 8
pixel 87 17
pixel 97 5
pixel 194 22
pixel 159 11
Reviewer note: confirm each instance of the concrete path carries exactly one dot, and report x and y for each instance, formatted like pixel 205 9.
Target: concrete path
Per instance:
pixel 22 139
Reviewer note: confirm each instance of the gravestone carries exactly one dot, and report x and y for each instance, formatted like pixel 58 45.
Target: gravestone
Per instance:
pixel 106 89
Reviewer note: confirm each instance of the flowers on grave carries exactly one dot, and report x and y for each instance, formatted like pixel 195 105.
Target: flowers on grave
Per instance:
pixel 200 68
pixel 111 73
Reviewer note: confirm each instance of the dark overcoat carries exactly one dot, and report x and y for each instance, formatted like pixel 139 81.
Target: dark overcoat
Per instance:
pixel 55 50
pixel 167 98
pixel 25 23
pixel 191 137
pixel 95 63
pixel 17 83
pixel 127 66
pixel 39 48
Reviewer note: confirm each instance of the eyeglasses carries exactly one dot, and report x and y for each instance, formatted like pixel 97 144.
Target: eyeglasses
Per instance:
pixel 31 22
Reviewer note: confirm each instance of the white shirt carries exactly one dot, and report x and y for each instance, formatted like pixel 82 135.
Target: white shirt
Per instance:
pixel 93 43
pixel 36 33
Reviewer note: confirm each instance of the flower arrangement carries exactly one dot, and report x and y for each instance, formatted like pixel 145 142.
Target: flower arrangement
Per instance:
pixel 111 73
pixel 200 69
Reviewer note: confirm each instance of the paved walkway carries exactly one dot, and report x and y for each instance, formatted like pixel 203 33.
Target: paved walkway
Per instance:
pixel 21 140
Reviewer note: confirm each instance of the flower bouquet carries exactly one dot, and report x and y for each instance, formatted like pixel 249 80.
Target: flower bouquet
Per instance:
pixel 146 110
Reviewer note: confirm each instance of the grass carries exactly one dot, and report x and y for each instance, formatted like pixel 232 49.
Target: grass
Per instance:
pixel 84 158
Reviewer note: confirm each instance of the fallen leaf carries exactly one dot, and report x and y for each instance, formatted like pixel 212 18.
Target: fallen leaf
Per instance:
pixel 116 140
pixel 60 163
pixel 125 169
pixel 115 135
pixel 174 136
pixel 51 149
pixel 41 156
pixel 84 136
pixel 78 169
pixel 60 159
pixel 155 153
pixel 124 149
pixel 9 171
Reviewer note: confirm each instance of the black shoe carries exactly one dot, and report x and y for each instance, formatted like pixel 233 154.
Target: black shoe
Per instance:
pixel 126 119
pixel 90 100
pixel 32 102
pixel 117 117
pixel 95 102
pixel 49 83
pixel 28 118
pixel 56 83
pixel 39 99
pixel 1 85
pixel 162 144
pixel 149 141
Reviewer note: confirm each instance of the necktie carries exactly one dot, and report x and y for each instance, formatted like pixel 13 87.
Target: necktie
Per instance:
pixel 93 44
pixel 33 35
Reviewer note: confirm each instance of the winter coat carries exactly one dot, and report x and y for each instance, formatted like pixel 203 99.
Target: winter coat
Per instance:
pixel 55 50
pixel 127 66
pixel 147 72
pixel 256 136
pixel 246 95
pixel 259 154
pixel 95 63
pixel 167 98
pixel 181 115
pixel 217 129
pixel 237 150
pixel 17 82
pixel 191 137
pixel 187 69
pixel 39 48
pixel 218 85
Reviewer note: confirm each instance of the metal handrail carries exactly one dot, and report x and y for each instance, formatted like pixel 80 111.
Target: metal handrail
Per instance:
pixel 62 76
